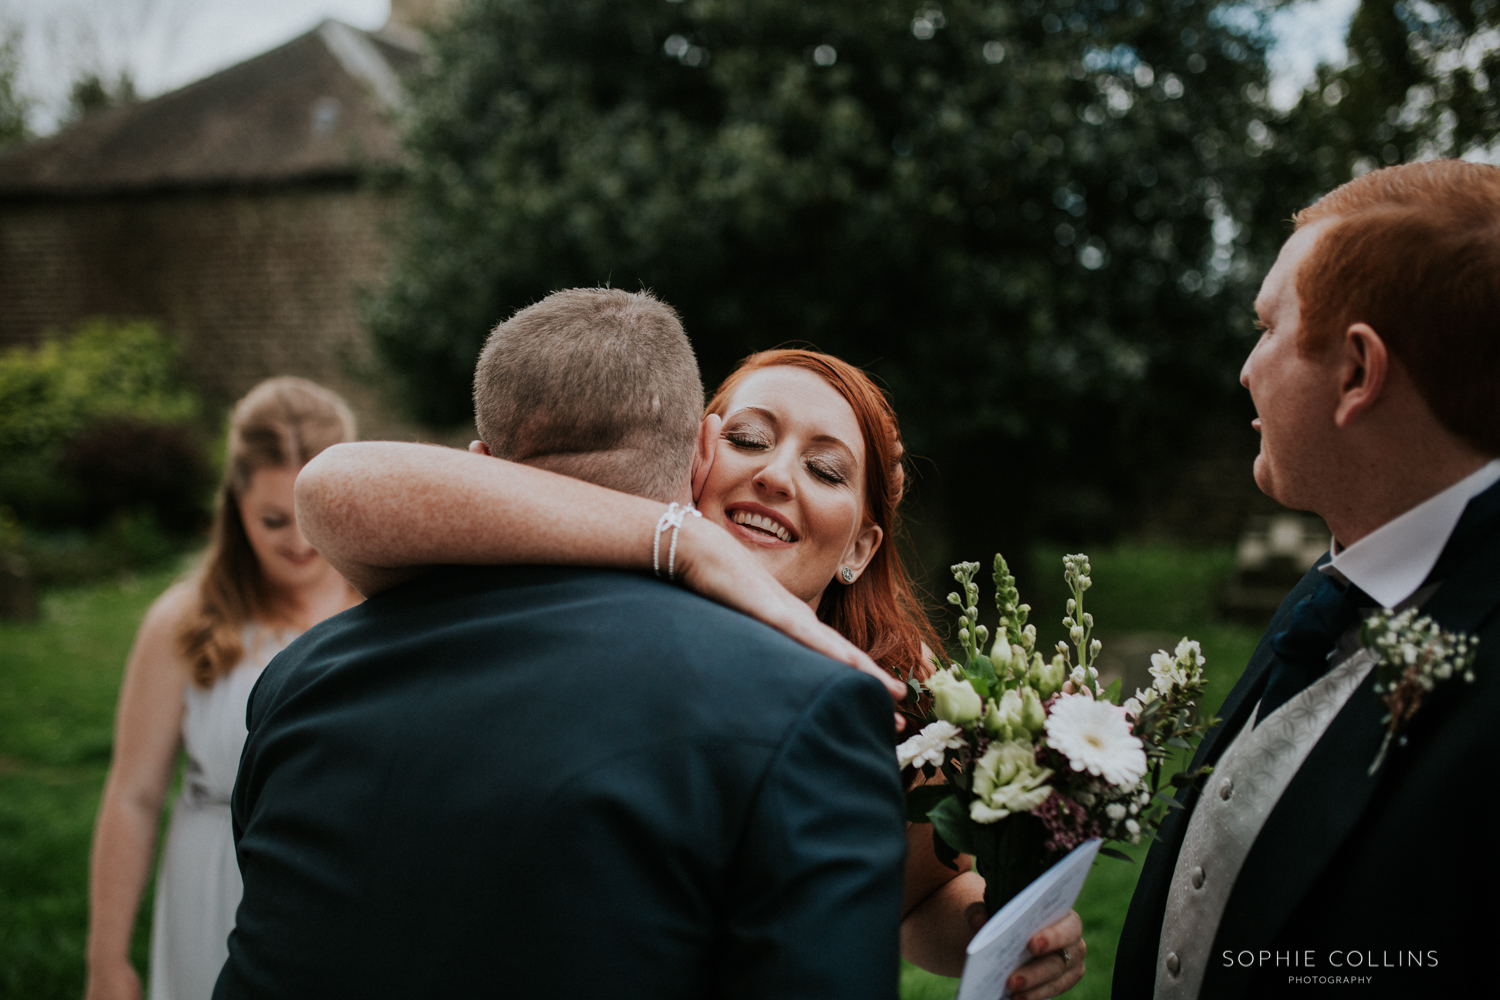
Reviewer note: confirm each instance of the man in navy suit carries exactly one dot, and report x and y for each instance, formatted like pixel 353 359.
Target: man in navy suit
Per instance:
pixel 542 781
pixel 1298 866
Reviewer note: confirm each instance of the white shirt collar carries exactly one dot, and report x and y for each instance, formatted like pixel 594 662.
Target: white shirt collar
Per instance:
pixel 1391 562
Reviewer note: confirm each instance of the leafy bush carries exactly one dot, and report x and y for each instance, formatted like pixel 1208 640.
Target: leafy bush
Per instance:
pixel 126 466
pixel 96 424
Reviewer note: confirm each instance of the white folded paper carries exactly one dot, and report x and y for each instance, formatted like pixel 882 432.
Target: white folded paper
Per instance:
pixel 1000 946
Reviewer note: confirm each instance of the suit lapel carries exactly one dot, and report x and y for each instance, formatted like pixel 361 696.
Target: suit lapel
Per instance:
pixel 1329 793
pixel 1235 711
pixel 1468 595
pixel 1135 962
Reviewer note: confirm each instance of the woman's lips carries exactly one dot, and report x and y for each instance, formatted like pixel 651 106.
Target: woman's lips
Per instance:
pixel 763 526
pixel 1255 423
pixel 301 559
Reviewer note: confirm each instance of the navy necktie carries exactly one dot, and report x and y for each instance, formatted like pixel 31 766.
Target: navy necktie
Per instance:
pixel 1302 651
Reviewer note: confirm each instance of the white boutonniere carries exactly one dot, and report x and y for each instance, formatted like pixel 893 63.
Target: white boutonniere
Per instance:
pixel 1414 656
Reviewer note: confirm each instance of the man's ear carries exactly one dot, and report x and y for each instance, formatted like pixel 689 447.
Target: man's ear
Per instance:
pixel 1364 365
pixel 860 551
pixel 479 447
pixel 703 452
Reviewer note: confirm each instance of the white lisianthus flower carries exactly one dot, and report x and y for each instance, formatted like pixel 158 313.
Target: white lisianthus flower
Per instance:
pixel 931 745
pixel 1095 737
pixel 1007 780
pixel 1132 707
pixel 1002 719
pixel 1033 716
pixel 954 698
pixel 1115 811
pixel 1048 677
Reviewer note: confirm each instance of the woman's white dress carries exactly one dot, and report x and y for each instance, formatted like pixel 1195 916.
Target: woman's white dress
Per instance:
pixel 198 885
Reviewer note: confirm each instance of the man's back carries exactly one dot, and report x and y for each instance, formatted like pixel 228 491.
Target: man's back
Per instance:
pixel 540 781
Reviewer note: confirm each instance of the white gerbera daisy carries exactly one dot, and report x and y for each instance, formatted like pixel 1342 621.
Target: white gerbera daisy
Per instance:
pixel 930 745
pixel 1094 736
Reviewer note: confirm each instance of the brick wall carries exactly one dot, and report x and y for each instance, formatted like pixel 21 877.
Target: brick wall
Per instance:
pixel 254 282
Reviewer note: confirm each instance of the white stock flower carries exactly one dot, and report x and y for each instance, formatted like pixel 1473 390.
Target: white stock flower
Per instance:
pixel 1190 646
pixel 1095 737
pixel 1007 780
pixel 930 746
pixel 1115 811
pixel 1131 707
pixel 1166 673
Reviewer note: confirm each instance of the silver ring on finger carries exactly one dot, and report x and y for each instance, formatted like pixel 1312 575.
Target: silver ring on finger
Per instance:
pixel 1067 957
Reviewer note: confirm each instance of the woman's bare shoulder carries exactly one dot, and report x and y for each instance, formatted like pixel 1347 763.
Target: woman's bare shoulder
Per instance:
pixel 169 613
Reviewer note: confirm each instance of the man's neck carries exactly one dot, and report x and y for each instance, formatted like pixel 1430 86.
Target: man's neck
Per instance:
pixel 1386 490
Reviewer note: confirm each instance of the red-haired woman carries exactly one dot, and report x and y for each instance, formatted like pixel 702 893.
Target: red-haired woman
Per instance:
pixel 800 462
pixel 197 655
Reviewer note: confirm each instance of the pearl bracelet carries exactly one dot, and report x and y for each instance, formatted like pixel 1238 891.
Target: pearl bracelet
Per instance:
pixel 671 518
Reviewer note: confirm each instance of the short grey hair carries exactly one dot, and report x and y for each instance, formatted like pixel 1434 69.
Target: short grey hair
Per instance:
pixel 594 383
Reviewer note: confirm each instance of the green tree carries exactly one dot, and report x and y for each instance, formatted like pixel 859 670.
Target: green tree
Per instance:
pixel 91 93
pixel 1024 217
pixel 14 106
pixel 1416 84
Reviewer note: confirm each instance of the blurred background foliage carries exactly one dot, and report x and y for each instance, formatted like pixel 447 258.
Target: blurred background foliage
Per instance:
pixel 1039 223
pixel 102 461
pixel 1020 217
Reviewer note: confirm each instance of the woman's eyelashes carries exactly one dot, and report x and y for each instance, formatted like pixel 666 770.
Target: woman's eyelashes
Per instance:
pixel 748 437
pixel 826 471
pixel 274 522
pixel 745 439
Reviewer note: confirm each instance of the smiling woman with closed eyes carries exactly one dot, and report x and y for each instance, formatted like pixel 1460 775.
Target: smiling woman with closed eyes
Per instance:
pixel 800 462
pixel 197 655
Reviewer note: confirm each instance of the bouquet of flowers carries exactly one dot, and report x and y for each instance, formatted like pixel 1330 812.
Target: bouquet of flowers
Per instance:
pixel 1035 756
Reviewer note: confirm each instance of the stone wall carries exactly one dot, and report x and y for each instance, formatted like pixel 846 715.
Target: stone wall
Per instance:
pixel 254 283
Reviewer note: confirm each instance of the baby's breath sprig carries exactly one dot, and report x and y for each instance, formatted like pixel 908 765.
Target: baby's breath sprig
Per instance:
pixel 1414 655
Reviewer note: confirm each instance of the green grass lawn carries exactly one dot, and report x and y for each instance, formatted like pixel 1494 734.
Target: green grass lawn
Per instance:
pixel 59 679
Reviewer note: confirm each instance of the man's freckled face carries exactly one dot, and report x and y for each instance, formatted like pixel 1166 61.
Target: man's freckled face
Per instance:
pixel 788 476
pixel 1293 394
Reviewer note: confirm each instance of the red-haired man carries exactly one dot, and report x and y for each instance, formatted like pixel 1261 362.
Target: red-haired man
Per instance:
pixel 1300 864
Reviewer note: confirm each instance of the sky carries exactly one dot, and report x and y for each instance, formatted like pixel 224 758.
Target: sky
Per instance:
pixel 167 43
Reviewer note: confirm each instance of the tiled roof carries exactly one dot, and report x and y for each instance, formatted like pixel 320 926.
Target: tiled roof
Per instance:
pixel 319 106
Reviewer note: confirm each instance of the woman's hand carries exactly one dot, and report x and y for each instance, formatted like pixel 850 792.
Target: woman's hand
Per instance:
pixel 1058 965
pixel 711 563
pixel 148 730
pixel 112 981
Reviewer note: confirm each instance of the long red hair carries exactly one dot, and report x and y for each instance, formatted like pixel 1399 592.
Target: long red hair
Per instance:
pixel 880 612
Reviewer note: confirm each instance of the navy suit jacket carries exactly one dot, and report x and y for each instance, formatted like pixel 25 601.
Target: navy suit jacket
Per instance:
pixel 556 782
pixel 1367 873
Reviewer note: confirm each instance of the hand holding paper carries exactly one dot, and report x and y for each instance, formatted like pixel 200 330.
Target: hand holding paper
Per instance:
pixel 1000 947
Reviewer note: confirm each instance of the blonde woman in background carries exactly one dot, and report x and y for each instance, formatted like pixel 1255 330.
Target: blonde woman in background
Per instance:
pixel 199 651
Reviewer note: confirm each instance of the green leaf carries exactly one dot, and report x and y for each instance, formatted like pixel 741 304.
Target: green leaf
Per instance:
pixel 946 855
pixel 1110 852
pixel 981 666
pixel 980 685
pixel 921 799
pixel 950 820
pixel 1112 693
pixel 1179 742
